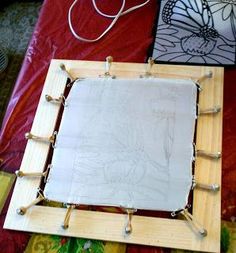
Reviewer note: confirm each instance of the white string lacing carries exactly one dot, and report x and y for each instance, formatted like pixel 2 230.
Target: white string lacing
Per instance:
pixel 114 17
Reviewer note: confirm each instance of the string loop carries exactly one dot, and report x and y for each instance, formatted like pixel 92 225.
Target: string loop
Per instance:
pixel 114 17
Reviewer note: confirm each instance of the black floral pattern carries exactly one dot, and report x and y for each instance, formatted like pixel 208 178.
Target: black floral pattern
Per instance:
pixel 196 31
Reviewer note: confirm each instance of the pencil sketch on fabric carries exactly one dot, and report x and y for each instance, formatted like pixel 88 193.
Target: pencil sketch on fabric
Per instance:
pixel 125 142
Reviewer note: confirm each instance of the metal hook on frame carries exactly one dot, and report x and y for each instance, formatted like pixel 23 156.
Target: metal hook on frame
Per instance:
pixel 23 209
pixel 63 68
pixel 208 187
pixel 128 227
pixel 204 77
pixel 194 223
pixel 20 173
pixel 60 100
pixel 207 154
pixel 214 110
pixel 75 80
pixel 108 63
pixel 51 139
pixel 66 222
pixel 150 64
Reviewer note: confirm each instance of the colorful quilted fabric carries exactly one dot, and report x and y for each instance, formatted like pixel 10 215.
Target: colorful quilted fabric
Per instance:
pixel 57 244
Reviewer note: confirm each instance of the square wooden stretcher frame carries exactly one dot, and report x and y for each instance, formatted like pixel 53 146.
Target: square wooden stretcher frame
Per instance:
pixel 171 233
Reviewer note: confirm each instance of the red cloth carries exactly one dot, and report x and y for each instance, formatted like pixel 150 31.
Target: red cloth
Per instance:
pixel 129 41
pixel 229 146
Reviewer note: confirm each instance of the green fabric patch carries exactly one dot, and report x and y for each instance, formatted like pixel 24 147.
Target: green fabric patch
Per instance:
pixel 6 182
pixel 225 239
pixel 58 244
pixel 228 237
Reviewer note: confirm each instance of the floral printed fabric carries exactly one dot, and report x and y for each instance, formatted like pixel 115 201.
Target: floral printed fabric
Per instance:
pixel 196 31
pixel 58 244
pixel 40 243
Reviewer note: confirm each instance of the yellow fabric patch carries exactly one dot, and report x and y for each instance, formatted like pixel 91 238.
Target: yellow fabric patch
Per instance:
pixel 114 247
pixel 41 243
pixel 6 182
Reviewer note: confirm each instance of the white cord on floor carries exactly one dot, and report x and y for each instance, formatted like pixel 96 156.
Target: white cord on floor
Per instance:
pixel 115 18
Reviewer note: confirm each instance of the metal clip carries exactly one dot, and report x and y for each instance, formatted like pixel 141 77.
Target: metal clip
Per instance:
pixel 60 100
pixel 149 68
pixel 194 223
pixel 128 227
pixel 213 110
pixel 65 224
pixel 63 68
pixel 75 80
pixel 204 77
pixel 51 139
pixel 22 210
pixel 109 60
pixel 207 154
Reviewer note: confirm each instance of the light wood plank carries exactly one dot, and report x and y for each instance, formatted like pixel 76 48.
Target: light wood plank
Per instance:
pixel 207 205
pixel 109 227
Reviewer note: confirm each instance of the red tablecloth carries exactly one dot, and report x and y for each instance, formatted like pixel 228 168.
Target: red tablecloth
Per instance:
pixel 129 41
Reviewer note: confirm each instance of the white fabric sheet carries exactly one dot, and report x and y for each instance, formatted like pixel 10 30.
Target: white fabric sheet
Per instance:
pixel 127 143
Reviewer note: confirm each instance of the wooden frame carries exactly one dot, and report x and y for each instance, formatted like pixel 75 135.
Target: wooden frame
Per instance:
pixel 108 226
